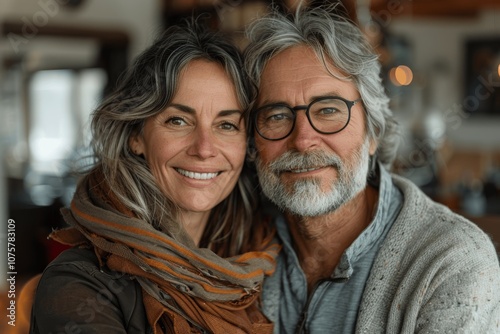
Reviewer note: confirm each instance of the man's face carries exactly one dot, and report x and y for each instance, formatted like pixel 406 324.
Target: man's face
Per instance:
pixel 309 173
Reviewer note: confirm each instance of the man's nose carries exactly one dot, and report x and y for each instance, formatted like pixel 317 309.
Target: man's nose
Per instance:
pixel 303 137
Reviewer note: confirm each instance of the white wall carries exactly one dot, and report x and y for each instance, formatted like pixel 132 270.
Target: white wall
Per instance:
pixel 141 19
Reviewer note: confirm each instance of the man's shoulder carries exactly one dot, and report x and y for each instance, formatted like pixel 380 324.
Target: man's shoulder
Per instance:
pixel 434 226
pixel 422 210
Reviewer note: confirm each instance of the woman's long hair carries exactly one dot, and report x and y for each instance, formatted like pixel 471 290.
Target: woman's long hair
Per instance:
pixel 144 91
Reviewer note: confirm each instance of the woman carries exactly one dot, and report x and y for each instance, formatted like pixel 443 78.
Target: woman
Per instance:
pixel 163 219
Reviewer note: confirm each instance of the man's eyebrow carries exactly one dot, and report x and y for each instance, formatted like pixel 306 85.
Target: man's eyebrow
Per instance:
pixel 328 94
pixel 190 110
pixel 312 98
pixel 270 101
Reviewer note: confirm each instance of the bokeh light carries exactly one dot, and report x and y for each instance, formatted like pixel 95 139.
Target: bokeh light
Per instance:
pixel 401 75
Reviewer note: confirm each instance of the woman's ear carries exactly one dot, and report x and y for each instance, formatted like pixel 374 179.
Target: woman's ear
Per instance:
pixel 136 144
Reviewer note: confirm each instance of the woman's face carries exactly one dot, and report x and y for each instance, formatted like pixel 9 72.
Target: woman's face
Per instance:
pixel 196 147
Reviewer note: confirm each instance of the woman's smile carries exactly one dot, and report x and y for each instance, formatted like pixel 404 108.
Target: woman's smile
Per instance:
pixel 197 175
pixel 196 146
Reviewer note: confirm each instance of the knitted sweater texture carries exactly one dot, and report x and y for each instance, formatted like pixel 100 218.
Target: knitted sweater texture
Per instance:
pixel 436 272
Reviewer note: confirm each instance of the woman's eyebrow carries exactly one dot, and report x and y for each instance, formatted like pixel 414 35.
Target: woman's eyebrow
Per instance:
pixel 189 110
pixel 183 108
pixel 230 112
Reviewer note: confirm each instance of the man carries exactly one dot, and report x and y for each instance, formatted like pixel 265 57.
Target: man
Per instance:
pixel 364 251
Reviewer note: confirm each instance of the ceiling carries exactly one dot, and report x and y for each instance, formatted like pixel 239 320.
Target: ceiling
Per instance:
pixel 420 8
pixel 434 8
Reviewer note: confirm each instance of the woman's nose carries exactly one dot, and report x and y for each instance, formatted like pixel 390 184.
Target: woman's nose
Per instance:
pixel 203 144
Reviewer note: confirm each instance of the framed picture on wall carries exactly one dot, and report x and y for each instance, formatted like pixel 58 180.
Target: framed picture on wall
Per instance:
pixel 482 77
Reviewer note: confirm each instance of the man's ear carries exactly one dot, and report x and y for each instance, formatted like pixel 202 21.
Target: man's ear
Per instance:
pixel 373 146
pixel 136 144
pixel 251 149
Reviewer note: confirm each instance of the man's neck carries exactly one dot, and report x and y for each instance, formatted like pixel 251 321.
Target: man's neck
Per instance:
pixel 320 241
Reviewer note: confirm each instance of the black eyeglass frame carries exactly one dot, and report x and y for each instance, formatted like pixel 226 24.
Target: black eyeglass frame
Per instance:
pixel 294 110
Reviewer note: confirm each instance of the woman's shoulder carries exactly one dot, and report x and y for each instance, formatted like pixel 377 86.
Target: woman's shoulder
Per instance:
pixel 75 255
pixel 75 289
pixel 79 268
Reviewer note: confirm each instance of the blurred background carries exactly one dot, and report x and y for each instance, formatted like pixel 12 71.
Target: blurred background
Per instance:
pixel 58 58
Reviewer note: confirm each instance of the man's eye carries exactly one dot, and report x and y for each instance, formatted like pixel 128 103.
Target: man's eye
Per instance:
pixel 327 113
pixel 229 126
pixel 177 121
pixel 277 117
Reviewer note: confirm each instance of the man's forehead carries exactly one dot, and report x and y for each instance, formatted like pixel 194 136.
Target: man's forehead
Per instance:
pixel 299 68
pixel 301 62
pixel 299 55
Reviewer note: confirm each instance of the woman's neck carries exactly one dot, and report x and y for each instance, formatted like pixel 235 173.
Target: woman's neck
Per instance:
pixel 194 223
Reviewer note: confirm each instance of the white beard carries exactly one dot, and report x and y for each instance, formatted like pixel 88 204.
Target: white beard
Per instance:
pixel 306 198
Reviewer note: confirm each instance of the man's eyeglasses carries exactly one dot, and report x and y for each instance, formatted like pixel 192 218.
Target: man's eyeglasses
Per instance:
pixel 327 115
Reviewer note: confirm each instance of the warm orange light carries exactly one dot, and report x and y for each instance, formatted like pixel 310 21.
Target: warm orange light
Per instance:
pixel 401 75
pixel 498 70
pixel 404 75
pixel 392 77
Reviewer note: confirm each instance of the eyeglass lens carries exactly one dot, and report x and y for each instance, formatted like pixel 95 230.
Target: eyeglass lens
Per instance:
pixel 326 115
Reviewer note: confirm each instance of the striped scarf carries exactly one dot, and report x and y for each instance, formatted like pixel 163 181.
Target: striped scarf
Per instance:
pixel 186 289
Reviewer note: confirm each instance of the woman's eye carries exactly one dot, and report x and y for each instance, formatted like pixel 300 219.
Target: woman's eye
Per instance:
pixel 177 121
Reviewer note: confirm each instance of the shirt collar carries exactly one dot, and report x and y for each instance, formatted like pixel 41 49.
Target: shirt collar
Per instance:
pixel 372 232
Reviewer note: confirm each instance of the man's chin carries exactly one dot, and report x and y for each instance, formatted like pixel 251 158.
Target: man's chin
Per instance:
pixel 308 203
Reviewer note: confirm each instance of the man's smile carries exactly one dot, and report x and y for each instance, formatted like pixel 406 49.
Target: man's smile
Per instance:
pixel 304 170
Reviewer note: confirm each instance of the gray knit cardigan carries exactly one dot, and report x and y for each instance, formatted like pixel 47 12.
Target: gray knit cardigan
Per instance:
pixel 436 272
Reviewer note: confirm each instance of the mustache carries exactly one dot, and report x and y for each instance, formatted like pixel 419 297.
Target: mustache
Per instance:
pixel 294 160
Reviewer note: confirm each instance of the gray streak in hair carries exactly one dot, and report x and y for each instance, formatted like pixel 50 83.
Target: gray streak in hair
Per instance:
pixel 339 40
pixel 144 91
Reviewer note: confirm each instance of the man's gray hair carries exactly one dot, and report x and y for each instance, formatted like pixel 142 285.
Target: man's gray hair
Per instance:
pixel 333 38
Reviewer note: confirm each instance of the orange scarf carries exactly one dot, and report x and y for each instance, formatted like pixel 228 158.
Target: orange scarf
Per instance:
pixel 186 289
